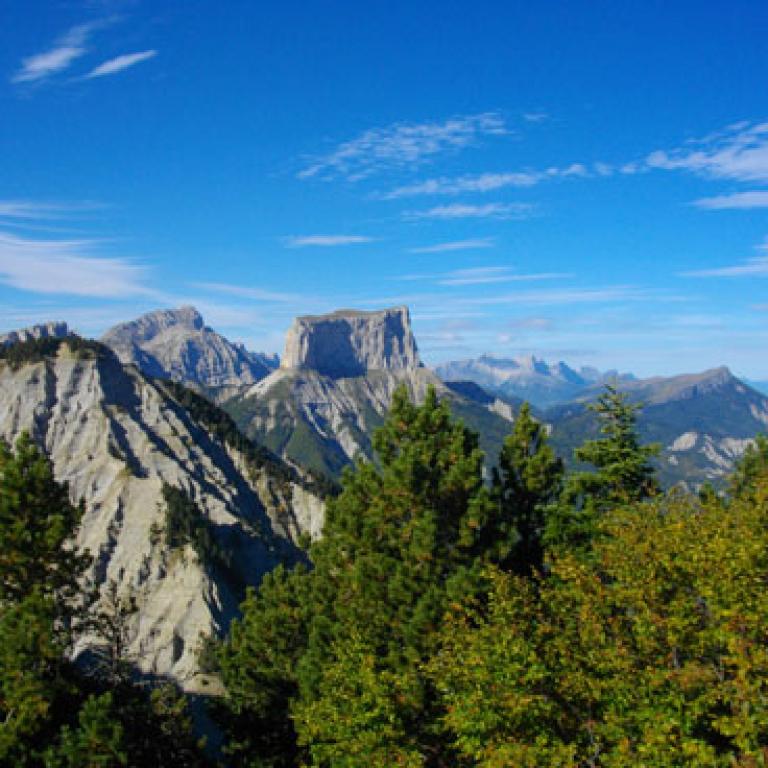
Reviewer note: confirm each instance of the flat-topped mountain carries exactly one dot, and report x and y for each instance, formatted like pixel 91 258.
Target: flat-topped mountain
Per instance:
pixel 527 377
pixel 176 344
pixel 335 385
pixel 351 343
pixel 52 330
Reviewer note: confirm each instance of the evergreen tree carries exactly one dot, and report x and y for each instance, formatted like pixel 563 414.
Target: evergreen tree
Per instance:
pixel 400 544
pixel 36 521
pixel 51 714
pixel 526 484
pixel 622 473
pixel 751 469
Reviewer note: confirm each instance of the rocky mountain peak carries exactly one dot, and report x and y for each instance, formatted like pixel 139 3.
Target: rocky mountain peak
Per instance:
pixel 51 330
pixel 176 344
pixel 349 343
pixel 152 324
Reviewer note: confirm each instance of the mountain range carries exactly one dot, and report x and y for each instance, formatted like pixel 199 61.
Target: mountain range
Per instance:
pixel 527 377
pixel 127 445
pixel 164 416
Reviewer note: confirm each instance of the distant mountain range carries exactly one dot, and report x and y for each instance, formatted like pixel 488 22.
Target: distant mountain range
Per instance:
pixel 527 377
pixel 703 422
pixel 120 425
pixel 760 386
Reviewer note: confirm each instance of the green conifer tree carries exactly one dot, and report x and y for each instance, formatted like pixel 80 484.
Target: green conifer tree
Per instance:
pixel 623 473
pixel 526 485
pixel 400 544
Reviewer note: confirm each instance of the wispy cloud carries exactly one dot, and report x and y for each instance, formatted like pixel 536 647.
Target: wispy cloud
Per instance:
pixel 258 294
pixel 532 323
pixel 535 117
pixel 468 211
pixel 402 145
pixel 754 267
pixel 33 210
pixel 65 50
pixel 757 198
pixel 740 152
pixel 558 297
pixel 483 276
pixel 456 245
pixel 119 63
pixel 485 182
pixel 66 267
pixel 302 241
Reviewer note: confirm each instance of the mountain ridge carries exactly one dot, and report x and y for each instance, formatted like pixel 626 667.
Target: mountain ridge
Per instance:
pixel 177 344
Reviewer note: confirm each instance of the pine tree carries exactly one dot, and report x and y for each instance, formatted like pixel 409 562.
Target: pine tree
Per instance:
pixel 622 473
pixel 526 485
pixel 401 543
pixel 51 714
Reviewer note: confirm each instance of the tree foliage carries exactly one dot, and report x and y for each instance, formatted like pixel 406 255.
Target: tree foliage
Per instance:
pixel 527 484
pixel 401 541
pixel 621 473
pixel 650 653
pixel 53 714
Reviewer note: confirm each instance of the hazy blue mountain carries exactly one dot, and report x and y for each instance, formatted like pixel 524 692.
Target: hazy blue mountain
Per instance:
pixel 760 386
pixel 526 377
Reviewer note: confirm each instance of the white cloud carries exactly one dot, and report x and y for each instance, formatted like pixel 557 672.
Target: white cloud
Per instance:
pixel 558 297
pixel 484 182
pixel 755 267
pixel 535 117
pixel 36 211
pixel 67 48
pixel 740 152
pixel 64 267
pixel 467 211
pixel 757 198
pixel 456 245
pixel 402 145
pixel 488 182
pixel 326 240
pixel 246 292
pixel 483 276
pixel 603 169
pixel 119 63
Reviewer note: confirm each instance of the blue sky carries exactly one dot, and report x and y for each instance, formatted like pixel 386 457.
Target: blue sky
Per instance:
pixel 586 181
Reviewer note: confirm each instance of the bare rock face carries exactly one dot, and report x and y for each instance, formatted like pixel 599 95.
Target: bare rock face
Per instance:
pixel 117 438
pixel 53 330
pixel 350 343
pixel 176 344
pixel 336 384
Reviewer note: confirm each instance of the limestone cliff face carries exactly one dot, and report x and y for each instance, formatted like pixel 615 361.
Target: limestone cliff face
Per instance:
pixel 351 343
pixel 116 438
pixel 176 344
pixel 335 386
pixel 53 330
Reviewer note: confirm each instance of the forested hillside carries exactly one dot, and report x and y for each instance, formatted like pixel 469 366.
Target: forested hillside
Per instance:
pixel 550 617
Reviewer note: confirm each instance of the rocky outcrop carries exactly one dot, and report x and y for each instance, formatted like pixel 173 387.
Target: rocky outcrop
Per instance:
pixel 352 343
pixel 335 386
pixel 53 330
pixel 176 344
pixel 118 438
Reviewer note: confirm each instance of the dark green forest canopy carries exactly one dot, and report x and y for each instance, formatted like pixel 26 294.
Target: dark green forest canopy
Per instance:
pixel 551 618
